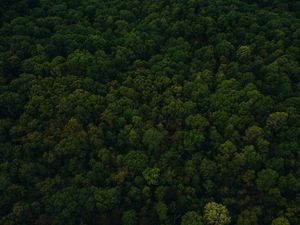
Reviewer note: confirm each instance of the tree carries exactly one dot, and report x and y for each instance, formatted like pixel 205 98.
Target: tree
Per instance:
pixel 253 133
pixel 106 198
pixel 78 62
pixel 151 175
pixel 266 179
pixel 65 205
pixel 136 161
pixel 252 158
pixel 249 216
pixel 197 122
pixel 162 211
pixel 207 168
pixel 191 218
pixel 129 217
pixel 277 120
pixel 280 221
pixel 216 214
pixel 244 54
pixel 223 50
pixel 152 139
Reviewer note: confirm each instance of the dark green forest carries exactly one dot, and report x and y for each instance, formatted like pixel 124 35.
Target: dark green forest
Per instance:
pixel 139 112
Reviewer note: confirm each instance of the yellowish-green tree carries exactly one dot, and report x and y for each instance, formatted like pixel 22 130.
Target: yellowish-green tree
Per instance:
pixel 216 214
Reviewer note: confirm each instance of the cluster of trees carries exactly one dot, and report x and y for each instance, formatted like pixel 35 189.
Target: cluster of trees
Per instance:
pixel 149 112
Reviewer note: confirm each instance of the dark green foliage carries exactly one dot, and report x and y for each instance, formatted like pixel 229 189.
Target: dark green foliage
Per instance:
pixel 149 112
pixel 191 218
pixel 136 161
pixel 129 218
pixel 106 199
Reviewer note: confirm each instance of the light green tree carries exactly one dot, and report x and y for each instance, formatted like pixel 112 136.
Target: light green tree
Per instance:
pixel 151 175
pixel 280 221
pixel 216 214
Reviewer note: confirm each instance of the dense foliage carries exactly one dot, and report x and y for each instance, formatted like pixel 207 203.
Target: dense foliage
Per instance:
pixel 149 112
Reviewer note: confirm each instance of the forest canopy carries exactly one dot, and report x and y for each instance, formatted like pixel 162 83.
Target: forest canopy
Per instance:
pixel 154 112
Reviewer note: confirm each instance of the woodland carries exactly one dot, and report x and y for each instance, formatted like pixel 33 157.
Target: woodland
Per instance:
pixel 161 112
